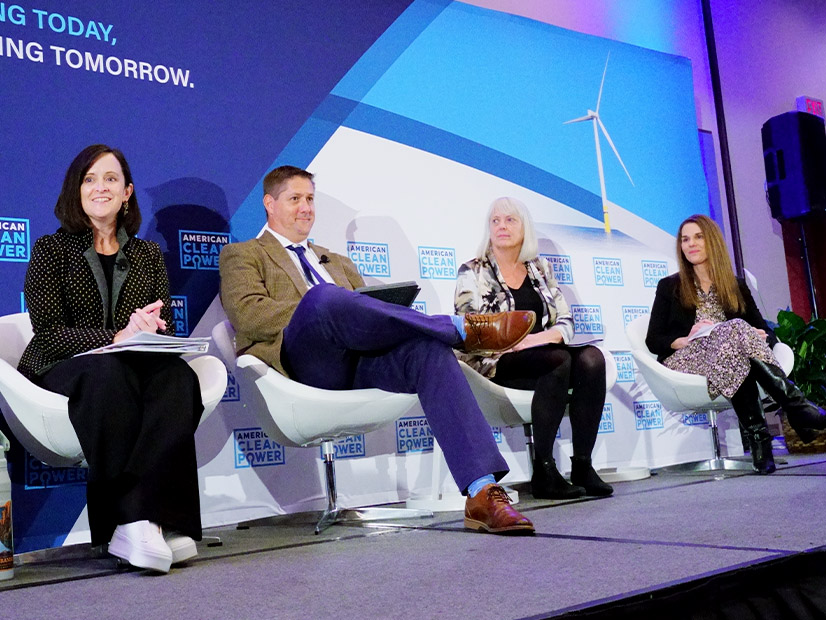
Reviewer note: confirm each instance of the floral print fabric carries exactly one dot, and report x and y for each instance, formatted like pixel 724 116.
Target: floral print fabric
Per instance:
pixel 481 289
pixel 723 356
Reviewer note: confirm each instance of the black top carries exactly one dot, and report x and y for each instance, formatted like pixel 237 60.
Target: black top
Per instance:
pixel 671 320
pixel 526 297
pixel 108 264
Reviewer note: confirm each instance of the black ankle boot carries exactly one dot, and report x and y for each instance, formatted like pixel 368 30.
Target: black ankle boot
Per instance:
pixel 804 417
pixel 584 475
pixel 548 483
pixel 749 410
pixel 761 449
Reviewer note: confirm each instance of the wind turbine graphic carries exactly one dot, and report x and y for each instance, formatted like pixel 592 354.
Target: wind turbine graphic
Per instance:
pixel 593 115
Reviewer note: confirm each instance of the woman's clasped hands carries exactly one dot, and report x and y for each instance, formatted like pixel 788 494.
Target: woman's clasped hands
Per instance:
pixel 146 319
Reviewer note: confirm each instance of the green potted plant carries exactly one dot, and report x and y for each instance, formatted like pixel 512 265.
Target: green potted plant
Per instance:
pixel 808 341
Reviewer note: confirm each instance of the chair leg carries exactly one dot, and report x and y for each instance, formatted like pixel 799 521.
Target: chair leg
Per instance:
pixel 717 462
pixel 331 513
pixel 528 428
pixel 212 541
pixel 715 435
pixel 336 514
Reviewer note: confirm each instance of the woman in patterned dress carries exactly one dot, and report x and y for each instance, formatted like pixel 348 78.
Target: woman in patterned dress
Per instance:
pixel 704 321
pixel 92 283
pixel 509 274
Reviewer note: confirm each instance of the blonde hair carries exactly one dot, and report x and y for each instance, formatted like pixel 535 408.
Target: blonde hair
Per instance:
pixel 719 268
pixel 512 206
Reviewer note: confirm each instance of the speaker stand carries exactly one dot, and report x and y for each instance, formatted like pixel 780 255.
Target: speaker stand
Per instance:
pixel 808 268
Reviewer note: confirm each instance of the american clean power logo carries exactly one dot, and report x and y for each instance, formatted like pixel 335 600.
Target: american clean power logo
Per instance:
pixel 694 419
pixel 200 249
pixel 371 259
pixel 625 366
pixel 437 263
pixel 180 316
pixel 349 447
pixel 587 319
pixel 607 271
pixel 413 434
pixel 561 266
pixel 629 313
pixel 653 271
pixel 41 476
pixel 233 393
pixel 648 414
pixel 253 448
pixel 606 422
pixel 14 239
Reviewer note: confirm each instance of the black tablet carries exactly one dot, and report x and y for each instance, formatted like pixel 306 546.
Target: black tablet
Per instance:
pixel 400 293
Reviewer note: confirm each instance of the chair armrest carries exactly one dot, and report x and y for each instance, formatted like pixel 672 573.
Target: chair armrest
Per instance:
pixel 499 405
pixel 39 419
pixel 785 356
pixel 676 391
pixel 610 368
pixel 212 377
pixel 223 337
pixel 295 414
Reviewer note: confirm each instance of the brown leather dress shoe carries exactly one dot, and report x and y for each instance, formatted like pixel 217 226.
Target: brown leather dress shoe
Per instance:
pixel 491 511
pixel 491 333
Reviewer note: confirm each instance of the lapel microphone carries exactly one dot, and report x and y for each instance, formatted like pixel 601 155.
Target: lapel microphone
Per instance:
pixel 323 259
pixel 121 264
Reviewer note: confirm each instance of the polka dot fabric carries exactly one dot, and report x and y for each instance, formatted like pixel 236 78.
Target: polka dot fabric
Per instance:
pixel 66 305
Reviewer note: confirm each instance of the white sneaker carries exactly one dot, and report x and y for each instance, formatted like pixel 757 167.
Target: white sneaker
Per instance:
pixel 141 544
pixel 182 547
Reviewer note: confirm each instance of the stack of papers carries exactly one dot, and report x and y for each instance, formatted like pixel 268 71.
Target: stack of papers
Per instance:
pixel 145 342
pixel 704 331
pixel 585 342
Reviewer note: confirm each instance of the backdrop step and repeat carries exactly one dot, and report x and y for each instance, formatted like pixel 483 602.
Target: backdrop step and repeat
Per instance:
pixel 414 116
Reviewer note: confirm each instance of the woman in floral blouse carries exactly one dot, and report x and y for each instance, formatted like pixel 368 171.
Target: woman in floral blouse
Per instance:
pixel 509 274
pixel 704 321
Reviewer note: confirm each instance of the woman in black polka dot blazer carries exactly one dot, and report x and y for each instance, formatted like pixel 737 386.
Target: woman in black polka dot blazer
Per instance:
pixel 88 285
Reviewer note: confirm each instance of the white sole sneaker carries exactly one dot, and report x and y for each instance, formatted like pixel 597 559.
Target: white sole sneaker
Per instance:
pixel 183 547
pixel 141 544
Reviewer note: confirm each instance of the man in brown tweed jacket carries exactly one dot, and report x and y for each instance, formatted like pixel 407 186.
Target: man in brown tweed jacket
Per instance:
pixel 292 305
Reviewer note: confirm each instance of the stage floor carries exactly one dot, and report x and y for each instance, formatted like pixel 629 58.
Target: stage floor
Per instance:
pixel 667 529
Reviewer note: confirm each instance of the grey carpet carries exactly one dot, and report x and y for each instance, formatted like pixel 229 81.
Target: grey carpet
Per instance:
pixel 666 529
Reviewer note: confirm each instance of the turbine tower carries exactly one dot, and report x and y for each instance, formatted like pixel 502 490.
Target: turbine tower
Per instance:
pixel 593 115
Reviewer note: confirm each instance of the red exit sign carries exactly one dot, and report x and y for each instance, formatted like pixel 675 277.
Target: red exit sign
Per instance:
pixel 810 105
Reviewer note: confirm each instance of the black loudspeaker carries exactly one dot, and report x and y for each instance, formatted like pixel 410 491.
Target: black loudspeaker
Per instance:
pixel 794 153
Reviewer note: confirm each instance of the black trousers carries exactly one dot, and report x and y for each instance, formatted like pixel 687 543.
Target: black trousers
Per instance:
pixel 550 371
pixel 135 415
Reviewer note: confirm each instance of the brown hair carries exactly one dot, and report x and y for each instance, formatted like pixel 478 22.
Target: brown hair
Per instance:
pixel 69 210
pixel 275 179
pixel 719 268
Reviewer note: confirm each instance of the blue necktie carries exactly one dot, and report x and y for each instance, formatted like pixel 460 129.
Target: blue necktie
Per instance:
pixel 311 274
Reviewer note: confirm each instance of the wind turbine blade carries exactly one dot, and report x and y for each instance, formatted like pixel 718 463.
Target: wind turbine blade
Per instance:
pixel 602 83
pixel 616 152
pixel 578 120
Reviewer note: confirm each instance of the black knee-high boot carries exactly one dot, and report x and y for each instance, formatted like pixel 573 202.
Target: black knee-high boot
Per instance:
pixel 804 417
pixel 749 410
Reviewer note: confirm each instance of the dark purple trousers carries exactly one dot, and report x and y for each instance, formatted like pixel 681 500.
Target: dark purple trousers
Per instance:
pixel 339 340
